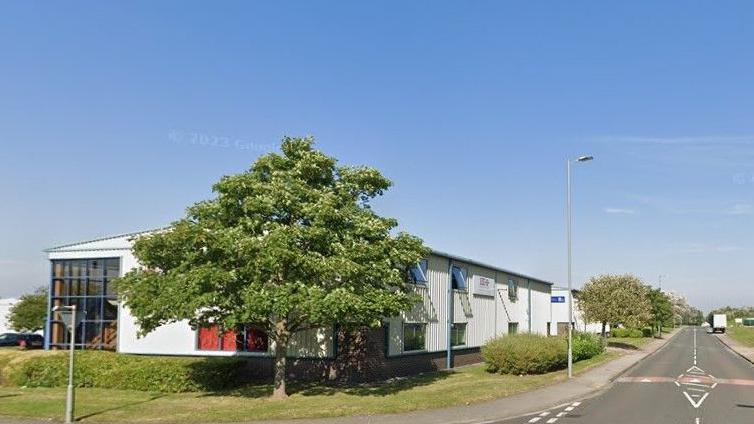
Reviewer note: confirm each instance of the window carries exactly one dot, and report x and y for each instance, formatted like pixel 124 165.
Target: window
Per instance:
pixel 512 327
pixel 414 337
pixel 85 283
pixel 512 289
pixel 458 334
pixel 418 272
pixel 459 278
pixel 250 339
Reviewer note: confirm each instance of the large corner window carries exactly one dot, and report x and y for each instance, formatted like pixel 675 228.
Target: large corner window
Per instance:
pixel 418 272
pixel 88 284
pixel 414 337
pixel 248 339
pixel 458 278
pixel 458 334
pixel 512 289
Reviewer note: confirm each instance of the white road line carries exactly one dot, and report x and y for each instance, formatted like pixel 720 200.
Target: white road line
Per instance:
pixel 546 413
pixel 560 414
pixel 535 419
pixel 696 404
pixel 697 421
pixel 551 420
pixel 695 347
pixel 569 409
pixel 576 403
pixel 677 383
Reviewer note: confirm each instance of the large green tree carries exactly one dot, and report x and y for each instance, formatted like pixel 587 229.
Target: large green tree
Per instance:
pixel 615 299
pixel 288 245
pixel 30 312
pixel 661 308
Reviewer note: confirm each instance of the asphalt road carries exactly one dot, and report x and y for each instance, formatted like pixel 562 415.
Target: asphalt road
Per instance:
pixel 692 379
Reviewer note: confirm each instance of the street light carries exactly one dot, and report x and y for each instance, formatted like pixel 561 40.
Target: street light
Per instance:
pixel 69 318
pixel 570 284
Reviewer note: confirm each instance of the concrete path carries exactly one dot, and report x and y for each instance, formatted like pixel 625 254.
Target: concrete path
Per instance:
pixel 584 385
pixel 695 379
pixel 745 351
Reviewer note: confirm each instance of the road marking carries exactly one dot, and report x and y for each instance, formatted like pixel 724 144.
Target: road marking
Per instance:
pixel 535 419
pixel 551 420
pixel 696 404
pixel 576 403
pixel 697 421
pixel 544 414
pixel 569 409
pixel 695 347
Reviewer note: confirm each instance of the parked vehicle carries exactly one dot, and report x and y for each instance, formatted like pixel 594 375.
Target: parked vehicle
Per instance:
pixel 27 340
pixel 719 322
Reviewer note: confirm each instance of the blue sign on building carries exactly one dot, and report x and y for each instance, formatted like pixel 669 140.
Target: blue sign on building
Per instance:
pixel 558 299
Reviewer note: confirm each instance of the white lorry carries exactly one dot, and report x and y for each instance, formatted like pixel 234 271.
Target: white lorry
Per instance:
pixel 719 322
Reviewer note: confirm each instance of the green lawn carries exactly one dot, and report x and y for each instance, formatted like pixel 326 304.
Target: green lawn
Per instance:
pixel 634 343
pixel 743 335
pixel 464 385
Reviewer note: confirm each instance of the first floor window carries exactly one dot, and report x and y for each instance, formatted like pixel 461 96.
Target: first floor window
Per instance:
pixel 512 327
pixel 458 334
pixel 414 337
pixel 418 272
pixel 512 289
pixel 458 278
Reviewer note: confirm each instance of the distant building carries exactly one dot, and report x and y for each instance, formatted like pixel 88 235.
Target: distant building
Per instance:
pixel 484 301
pixel 5 305
pixel 559 302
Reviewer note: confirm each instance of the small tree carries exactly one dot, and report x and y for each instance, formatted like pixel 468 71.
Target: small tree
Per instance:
pixel 611 298
pixel 30 312
pixel 661 308
pixel 290 244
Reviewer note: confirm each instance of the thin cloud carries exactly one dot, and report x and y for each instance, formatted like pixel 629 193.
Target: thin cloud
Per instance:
pixel 619 211
pixel 740 209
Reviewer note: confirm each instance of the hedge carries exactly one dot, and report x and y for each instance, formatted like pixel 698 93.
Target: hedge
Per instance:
pixel 631 333
pixel 117 371
pixel 534 354
pixel 586 346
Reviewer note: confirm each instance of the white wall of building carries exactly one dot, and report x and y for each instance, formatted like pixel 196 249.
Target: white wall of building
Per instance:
pixel 487 314
pixel 560 314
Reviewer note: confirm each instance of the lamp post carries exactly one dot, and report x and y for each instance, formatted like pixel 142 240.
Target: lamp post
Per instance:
pixel 71 323
pixel 569 222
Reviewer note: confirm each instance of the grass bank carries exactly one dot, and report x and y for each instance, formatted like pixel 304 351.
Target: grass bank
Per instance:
pixel 743 335
pixel 463 386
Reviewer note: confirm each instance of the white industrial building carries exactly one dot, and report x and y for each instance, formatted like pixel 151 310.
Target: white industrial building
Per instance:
pixel 560 299
pixel 488 301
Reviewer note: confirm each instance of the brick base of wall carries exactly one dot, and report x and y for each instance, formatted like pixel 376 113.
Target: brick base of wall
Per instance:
pixel 360 357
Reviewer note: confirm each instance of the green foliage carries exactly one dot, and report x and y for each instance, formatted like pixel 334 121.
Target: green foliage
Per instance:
pixel 661 308
pixel 631 333
pixel 288 245
pixel 586 345
pixel 613 298
pixel 732 313
pixel 30 312
pixel 525 354
pixel 647 332
pixel 116 371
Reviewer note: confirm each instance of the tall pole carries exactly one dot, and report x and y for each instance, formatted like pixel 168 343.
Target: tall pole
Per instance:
pixel 570 288
pixel 69 394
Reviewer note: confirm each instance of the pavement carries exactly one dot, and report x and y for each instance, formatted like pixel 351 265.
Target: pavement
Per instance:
pixel 744 351
pixel 694 379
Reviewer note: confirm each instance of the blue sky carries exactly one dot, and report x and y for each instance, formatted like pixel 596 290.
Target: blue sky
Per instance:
pixel 110 113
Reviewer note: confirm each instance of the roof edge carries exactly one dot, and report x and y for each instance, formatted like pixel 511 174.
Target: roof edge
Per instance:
pixel 134 233
pixel 485 265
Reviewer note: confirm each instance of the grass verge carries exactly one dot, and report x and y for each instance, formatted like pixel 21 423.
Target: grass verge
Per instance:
pixel 463 386
pixel 743 335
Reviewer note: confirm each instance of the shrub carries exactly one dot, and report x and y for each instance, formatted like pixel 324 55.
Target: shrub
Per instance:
pixel 647 332
pixel 117 371
pixel 525 354
pixel 586 346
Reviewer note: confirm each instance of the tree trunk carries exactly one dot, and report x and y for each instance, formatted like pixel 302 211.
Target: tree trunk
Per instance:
pixel 282 336
pixel 604 327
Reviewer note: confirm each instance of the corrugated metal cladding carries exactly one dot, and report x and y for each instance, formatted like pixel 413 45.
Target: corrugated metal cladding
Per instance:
pixel 485 316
